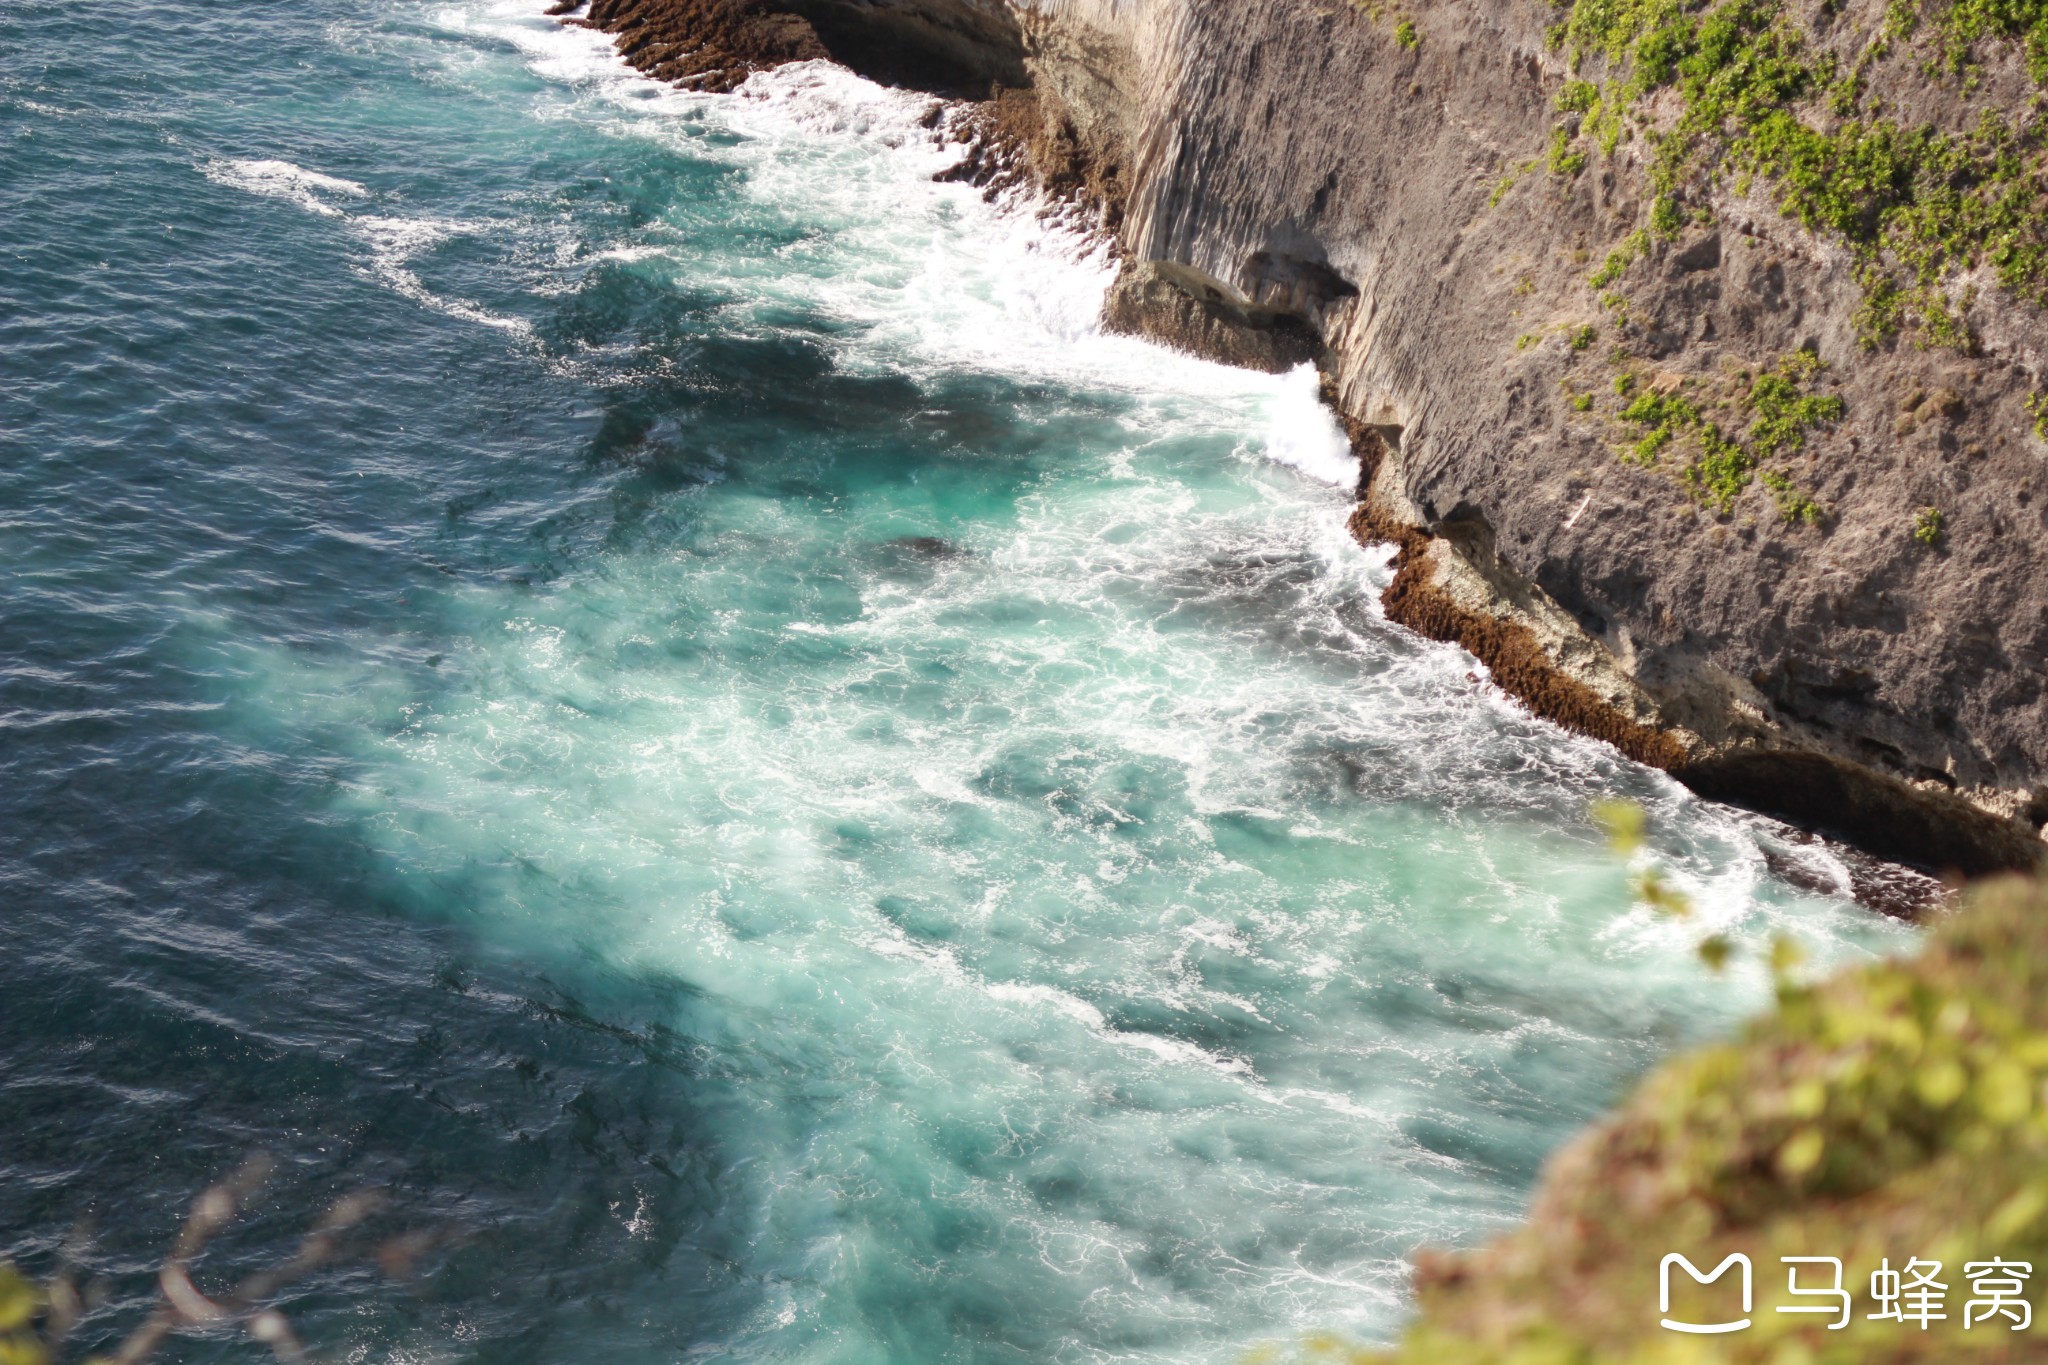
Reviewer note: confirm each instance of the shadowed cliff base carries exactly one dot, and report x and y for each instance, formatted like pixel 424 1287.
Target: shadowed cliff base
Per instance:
pixel 704 44
pixel 717 43
pixel 1153 300
pixel 1510 651
pixel 947 49
pixel 1880 814
pixel 1010 137
pixel 1017 139
pixel 1935 829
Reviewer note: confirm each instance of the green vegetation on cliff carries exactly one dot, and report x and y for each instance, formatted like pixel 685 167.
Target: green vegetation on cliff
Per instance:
pixel 1762 97
pixel 1895 1112
pixel 1781 408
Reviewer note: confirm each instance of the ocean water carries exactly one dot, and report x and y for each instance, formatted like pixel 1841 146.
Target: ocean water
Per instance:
pixel 628 666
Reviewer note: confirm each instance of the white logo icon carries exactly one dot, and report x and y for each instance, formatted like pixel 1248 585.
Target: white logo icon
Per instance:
pixel 1704 1329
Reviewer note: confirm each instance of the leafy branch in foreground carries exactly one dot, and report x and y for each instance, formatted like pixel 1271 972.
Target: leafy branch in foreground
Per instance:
pixel 37 1320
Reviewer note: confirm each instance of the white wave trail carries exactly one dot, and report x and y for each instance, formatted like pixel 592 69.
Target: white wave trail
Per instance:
pixel 283 180
pixel 392 240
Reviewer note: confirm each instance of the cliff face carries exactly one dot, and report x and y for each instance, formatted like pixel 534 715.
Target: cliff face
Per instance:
pixel 1308 157
pixel 1753 497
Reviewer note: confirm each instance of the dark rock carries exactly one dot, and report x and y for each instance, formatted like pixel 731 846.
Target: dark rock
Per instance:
pixel 705 44
pixel 1704 254
pixel 1932 829
pixel 950 48
pixel 927 548
pixel 1520 665
pixel 1169 307
pixel 1827 868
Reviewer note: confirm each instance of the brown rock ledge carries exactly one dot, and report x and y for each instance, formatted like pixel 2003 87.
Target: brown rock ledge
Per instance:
pixel 1926 826
pixel 704 44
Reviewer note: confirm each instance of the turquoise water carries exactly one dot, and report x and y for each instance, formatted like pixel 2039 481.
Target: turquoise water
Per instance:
pixel 629 665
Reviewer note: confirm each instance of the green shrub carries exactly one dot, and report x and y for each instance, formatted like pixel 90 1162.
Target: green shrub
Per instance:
pixel 1899 1109
pixel 1927 526
pixel 1784 411
pixel 1666 218
pixel 1564 162
pixel 1620 259
pixel 1577 97
pixel 1917 207
pixel 1794 505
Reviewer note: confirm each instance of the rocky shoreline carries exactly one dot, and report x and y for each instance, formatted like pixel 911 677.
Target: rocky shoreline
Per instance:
pixel 1839 618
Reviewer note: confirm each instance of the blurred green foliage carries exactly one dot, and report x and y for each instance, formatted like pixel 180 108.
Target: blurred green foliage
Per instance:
pixel 21 1305
pixel 36 1319
pixel 1895 1111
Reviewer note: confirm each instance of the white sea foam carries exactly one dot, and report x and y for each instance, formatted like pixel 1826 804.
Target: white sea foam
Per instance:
pixel 942 278
pixel 1302 432
pixel 310 190
pixel 392 240
pixel 931 276
pixel 566 53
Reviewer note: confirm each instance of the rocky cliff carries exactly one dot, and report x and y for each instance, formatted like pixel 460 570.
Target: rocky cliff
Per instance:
pixel 1695 347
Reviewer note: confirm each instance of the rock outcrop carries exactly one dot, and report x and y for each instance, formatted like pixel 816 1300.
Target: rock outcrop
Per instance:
pixel 1700 451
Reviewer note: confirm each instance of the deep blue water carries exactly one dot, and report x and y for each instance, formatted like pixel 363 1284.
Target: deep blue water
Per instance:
pixel 629 666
